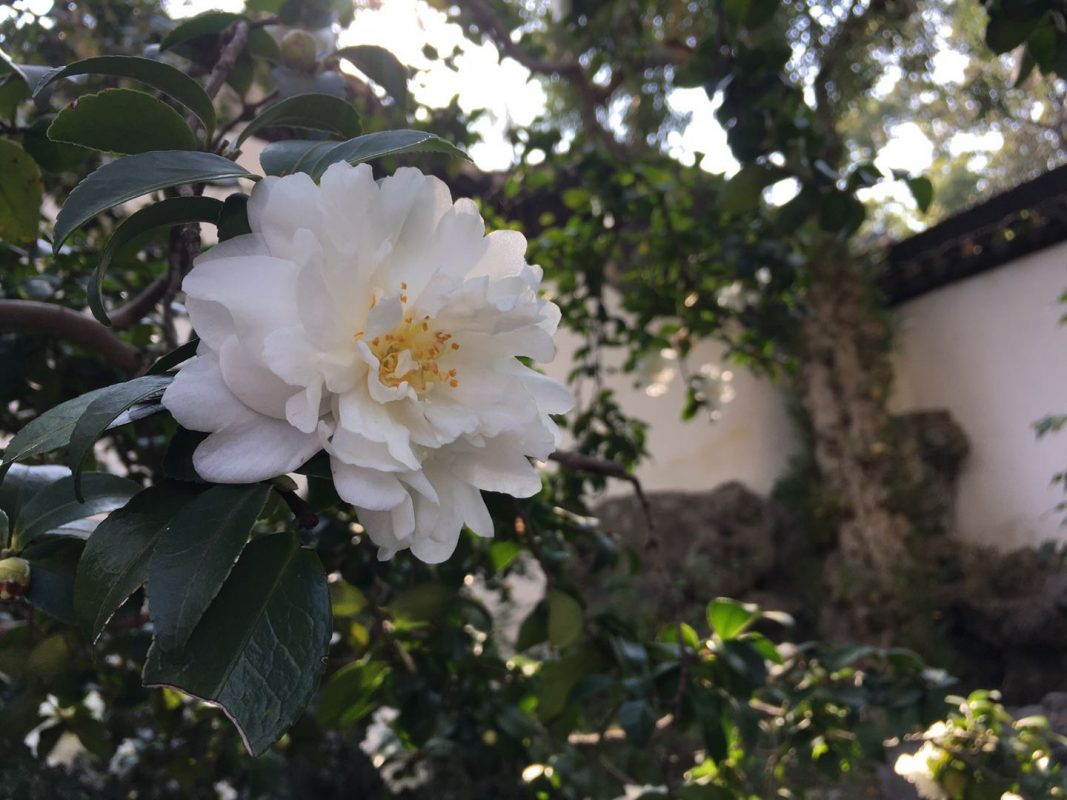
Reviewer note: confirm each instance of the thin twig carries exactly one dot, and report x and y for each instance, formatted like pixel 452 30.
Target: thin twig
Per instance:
pixel 74 327
pixel 601 466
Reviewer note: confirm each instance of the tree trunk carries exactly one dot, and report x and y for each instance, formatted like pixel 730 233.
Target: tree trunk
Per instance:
pixel 843 380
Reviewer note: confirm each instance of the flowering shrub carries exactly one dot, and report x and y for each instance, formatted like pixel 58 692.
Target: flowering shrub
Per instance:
pixel 981 751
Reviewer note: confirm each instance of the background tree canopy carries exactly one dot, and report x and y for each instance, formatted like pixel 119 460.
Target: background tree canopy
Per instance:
pixel 404 679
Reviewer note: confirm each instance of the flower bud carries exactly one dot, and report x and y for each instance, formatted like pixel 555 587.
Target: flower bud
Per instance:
pixel 14 578
pixel 299 51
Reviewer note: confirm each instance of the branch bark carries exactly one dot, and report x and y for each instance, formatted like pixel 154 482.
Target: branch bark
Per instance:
pixel 74 327
pixel 593 96
pixel 600 466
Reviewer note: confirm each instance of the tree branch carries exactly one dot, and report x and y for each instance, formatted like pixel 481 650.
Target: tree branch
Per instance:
pixel 231 51
pixel 600 466
pixel 74 327
pixel 593 96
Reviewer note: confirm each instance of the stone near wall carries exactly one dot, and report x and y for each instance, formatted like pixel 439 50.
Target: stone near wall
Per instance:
pixel 728 541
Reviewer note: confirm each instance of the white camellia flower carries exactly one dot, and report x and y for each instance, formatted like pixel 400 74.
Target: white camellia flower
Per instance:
pixel 377 321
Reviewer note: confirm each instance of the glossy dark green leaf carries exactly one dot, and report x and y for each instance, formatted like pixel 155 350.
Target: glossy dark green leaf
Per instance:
pixel 178 355
pixel 283 158
pixel 48 432
pixel 167 212
pixel 53 562
pixel 317 112
pixel 565 619
pixel 115 562
pixel 122 121
pixel 105 409
pixel 21 191
pixel 923 191
pixel 292 155
pixel 260 648
pixel 210 23
pixel 5 529
pixel 382 67
pixel 163 77
pixel 195 554
pixel 233 220
pixel 13 90
pixel 178 461
pixel 51 156
pixel 729 618
pixel 23 482
pixel 55 504
pixel 133 176
pixel 385 143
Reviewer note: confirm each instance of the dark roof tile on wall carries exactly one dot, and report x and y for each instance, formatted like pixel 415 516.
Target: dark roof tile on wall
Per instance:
pixel 1030 217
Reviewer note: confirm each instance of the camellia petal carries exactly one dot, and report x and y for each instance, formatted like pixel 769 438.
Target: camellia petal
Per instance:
pixel 378 321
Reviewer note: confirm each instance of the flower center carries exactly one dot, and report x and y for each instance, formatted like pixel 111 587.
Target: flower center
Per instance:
pixel 410 353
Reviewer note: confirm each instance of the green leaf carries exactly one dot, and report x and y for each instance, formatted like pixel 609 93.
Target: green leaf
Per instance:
pixel 317 112
pixel 426 602
pixel 260 648
pixel 349 694
pixel 636 719
pixel 1009 29
pixel 923 192
pixel 55 505
pixel 210 23
pixel 133 176
pixel 743 190
pixel 178 355
pixel 13 90
pixel 233 220
pixel 533 630
pixel 115 562
pixel 195 554
pixel 48 432
pixel 565 619
pixel 345 599
pixel 841 212
pixel 163 77
pixel 502 554
pixel 729 618
pixel 280 158
pixel 122 121
pixel 22 483
pixel 167 212
pixel 383 68
pixel 53 562
pixel 5 530
pixel 558 678
pixel 51 156
pixel 745 660
pixel 292 155
pixel 105 409
pixel 21 191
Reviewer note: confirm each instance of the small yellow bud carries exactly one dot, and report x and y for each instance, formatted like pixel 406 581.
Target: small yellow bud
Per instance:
pixel 14 578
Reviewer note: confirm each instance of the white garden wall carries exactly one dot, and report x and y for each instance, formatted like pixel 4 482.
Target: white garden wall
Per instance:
pixel 990 349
